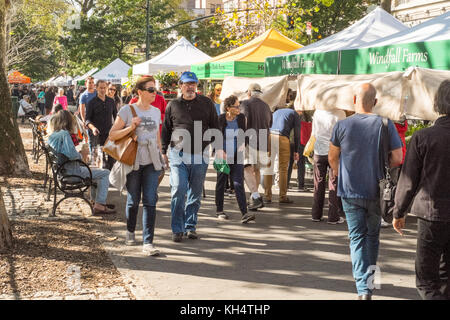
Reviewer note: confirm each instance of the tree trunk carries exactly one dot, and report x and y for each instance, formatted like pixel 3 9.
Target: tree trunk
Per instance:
pixel 5 229
pixel 386 5
pixel 13 160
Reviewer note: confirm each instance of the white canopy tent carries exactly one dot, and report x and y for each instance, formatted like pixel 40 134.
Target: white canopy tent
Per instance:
pixel 436 29
pixel 178 58
pixel 84 76
pixel 322 57
pixel 113 72
pixel 378 24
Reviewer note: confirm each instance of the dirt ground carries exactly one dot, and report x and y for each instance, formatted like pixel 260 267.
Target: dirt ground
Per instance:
pixel 46 251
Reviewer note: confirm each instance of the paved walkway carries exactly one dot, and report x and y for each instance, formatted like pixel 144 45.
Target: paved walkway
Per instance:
pixel 282 255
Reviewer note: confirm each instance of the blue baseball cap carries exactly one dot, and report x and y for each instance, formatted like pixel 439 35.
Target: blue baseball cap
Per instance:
pixel 188 76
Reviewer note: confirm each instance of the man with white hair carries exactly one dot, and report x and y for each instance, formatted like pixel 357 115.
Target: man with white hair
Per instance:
pixel 259 118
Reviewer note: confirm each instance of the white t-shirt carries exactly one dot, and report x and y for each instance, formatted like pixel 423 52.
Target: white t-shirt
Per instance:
pixel 322 128
pixel 146 132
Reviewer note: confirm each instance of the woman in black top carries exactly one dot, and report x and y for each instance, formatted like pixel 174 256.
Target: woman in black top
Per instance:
pixel 234 145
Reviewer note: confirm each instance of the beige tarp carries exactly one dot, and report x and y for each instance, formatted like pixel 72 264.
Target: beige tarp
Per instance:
pixel 274 89
pixel 411 92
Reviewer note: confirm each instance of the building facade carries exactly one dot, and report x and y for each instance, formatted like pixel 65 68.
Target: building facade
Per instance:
pixel 414 12
pixel 202 7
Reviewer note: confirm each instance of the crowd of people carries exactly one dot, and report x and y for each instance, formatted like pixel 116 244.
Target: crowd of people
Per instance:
pixel 257 143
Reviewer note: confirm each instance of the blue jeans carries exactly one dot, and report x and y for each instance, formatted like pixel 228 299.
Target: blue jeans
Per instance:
pixel 101 178
pixel 145 181
pixel 363 220
pixel 186 181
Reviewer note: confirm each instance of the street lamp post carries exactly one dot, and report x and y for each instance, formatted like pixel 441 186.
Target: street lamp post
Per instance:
pixel 147 29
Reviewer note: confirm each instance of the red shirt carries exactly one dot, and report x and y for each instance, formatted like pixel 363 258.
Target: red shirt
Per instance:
pixel 401 129
pixel 159 103
pixel 305 132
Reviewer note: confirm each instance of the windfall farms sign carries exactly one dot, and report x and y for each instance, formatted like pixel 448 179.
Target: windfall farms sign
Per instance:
pixel 431 55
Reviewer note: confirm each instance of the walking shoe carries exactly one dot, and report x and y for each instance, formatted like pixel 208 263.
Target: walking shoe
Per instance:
pixel 248 217
pixel 341 220
pixel 130 240
pixel 191 234
pixel 365 297
pixel 267 200
pixel 176 237
pixel 150 249
pixel 222 215
pixel 385 224
pixel 286 200
pixel 256 203
pixel 316 220
pixel 302 190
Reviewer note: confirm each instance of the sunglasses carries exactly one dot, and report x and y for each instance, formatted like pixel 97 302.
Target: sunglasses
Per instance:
pixel 150 89
pixel 112 89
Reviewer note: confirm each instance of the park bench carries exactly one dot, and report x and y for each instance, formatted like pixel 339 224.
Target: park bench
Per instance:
pixel 72 186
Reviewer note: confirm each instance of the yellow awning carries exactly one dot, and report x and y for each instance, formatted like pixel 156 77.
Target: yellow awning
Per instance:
pixel 270 43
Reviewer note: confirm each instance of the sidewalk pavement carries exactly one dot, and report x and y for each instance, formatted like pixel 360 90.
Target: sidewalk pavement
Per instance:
pixel 282 255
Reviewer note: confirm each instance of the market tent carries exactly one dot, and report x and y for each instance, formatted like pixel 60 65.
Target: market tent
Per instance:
pixel 177 58
pixel 274 89
pixel 81 79
pixel 323 57
pixel 113 72
pixel 17 77
pixel 409 93
pixel 247 60
pixel 426 45
pixel 63 81
pixel 49 81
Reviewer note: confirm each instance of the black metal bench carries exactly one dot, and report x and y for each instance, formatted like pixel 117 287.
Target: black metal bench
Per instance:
pixel 72 186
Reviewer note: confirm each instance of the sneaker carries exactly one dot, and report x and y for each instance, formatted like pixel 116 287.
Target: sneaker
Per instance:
pixel 317 220
pixel 222 216
pixel 191 234
pixel 130 239
pixel 341 220
pixel 302 190
pixel 248 217
pixel 176 237
pixel 385 224
pixel 150 249
pixel 256 203
pixel 267 200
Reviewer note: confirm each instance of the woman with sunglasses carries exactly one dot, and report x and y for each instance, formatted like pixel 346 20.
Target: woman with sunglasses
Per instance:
pixel 214 96
pixel 230 123
pixel 142 177
pixel 114 94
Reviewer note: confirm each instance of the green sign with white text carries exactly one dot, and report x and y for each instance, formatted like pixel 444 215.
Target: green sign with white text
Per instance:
pixel 219 70
pixel 307 63
pixel 432 55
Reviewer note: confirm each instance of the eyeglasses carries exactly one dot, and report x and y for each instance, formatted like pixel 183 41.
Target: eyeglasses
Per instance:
pixel 150 89
pixel 191 84
pixel 112 89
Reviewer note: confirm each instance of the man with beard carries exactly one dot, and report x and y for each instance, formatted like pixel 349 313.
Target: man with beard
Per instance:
pixel 188 163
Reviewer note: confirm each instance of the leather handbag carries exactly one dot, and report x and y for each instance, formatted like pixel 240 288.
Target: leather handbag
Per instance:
pixel 124 149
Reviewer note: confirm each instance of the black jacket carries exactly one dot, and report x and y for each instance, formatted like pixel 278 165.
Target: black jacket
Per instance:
pixel 425 175
pixel 258 115
pixel 181 114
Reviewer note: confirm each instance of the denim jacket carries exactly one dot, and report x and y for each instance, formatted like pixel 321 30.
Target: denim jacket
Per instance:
pixel 62 143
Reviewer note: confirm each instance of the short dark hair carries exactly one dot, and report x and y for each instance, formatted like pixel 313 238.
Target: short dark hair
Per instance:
pixel 442 98
pixel 99 82
pixel 230 101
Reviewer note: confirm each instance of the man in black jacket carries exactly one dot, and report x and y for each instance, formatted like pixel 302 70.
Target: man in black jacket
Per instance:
pixel 101 111
pixel 425 181
pixel 186 117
